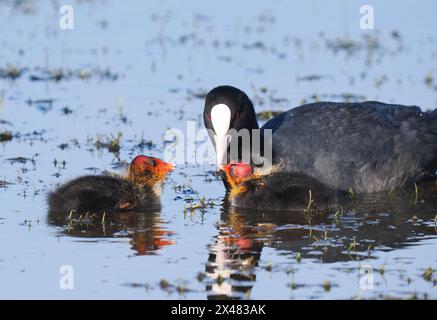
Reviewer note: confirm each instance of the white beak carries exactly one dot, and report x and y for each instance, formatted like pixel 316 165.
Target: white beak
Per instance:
pixel 221 148
pixel 221 121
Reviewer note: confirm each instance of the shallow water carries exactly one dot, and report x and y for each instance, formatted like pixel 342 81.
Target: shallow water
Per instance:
pixel 139 68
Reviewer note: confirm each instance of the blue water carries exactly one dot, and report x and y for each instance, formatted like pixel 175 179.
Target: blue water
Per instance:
pixel 165 55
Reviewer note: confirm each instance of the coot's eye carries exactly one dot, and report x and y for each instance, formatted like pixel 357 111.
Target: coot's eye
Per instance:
pixel 154 163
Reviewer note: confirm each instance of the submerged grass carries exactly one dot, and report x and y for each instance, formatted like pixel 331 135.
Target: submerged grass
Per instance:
pixel 267 115
pixel 11 72
pixel 428 274
pixel 6 136
pixel 196 203
pixel 112 144
pixel 327 286
pixel 310 201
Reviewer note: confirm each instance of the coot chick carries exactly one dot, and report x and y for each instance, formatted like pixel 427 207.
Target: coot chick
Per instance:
pixel 276 191
pixel 367 146
pixel 138 189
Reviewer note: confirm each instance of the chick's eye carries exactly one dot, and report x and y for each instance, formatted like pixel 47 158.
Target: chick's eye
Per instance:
pixel 154 163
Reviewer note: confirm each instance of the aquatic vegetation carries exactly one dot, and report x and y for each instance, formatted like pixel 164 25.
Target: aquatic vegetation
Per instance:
pixel 180 287
pixel 4 184
pixel 43 105
pixel 198 203
pixel 428 275
pixel 298 257
pixel 267 115
pixel 429 79
pixel 6 136
pixel 201 276
pixel 112 144
pixel 61 74
pixel 327 286
pixel 11 72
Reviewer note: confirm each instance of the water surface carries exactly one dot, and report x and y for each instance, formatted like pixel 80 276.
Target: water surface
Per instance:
pixel 132 69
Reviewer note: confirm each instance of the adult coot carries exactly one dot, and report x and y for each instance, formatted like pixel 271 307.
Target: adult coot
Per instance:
pixel 367 147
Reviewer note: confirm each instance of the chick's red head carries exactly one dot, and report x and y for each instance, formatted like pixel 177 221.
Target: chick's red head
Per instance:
pixel 237 172
pixel 148 169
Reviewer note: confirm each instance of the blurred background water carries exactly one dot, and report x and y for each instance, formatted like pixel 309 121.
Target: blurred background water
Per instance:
pixel 132 69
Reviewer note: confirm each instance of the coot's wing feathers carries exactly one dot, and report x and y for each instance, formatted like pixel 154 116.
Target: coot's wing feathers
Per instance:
pixel 368 146
pixel 87 193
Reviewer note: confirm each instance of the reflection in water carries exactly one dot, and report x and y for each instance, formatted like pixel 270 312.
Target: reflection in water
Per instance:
pixel 145 229
pixel 363 228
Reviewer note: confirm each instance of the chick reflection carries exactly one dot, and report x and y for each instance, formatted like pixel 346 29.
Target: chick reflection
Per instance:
pixel 362 228
pixel 145 229
pixel 234 254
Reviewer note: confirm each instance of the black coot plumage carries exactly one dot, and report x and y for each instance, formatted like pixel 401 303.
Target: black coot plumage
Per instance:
pixel 368 146
pixel 136 190
pixel 277 191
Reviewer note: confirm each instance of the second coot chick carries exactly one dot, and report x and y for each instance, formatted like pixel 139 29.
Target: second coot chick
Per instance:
pixel 138 189
pixel 277 191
